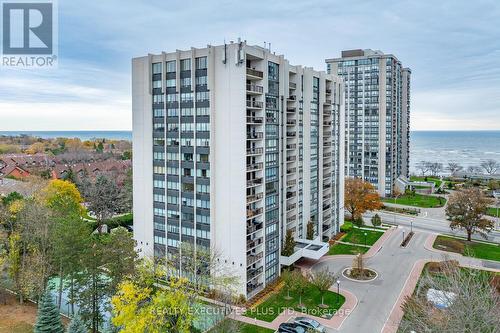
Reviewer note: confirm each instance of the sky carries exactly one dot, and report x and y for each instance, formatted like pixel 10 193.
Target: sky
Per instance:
pixel 451 46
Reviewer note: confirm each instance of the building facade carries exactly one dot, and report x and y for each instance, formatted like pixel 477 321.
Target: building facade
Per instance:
pixel 377 94
pixel 233 146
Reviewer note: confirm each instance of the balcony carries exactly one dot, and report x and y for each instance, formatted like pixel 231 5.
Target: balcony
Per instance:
pixel 291 122
pixel 291 194
pixel 291 207
pixel 254 74
pixel 255 166
pixel 253 212
pixel 291 146
pixel 254 182
pixel 291 134
pixel 290 109
pixel 255 151
pixel 328 90
pixel 254 120
pixel 291 182
pixel 255 136
pixel 251 243
pixel 254 197
pixel 252 288
pixel 254 104
pixel 292 98
pixel 254 89
pixel 292 85
pixel 291 171
pixel 291 158
pixel 328 102
pixel 327 123
pixel 252 258
pixel 252 273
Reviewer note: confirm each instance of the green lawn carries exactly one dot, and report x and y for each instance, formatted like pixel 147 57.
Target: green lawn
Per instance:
pixel 437 182
pixel 492 211
pixel 346 249
pixel 357 236
pixel 470 249
pixel 247 328
pixel 418 200
pixel 277 303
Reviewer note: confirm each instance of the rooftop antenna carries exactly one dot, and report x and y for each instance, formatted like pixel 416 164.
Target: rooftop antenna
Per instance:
pixel 269 46
pixel 265 46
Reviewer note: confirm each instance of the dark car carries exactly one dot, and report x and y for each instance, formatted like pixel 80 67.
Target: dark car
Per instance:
pixel 309 323
pixel 291 328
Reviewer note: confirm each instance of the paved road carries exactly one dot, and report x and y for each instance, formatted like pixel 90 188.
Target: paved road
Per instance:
pixel 376 298
pixel 427 224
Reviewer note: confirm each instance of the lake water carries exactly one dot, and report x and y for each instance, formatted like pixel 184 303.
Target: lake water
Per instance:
pixel 465 147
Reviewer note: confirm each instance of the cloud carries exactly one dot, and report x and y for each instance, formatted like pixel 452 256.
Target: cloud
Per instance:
pixel 452 47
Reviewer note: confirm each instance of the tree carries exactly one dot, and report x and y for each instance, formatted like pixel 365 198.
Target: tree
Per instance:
pixel 490 166
pixel 48 319
pixel 287 278
pixel 62 197
pixel 11 197
pixel 473 303
pixel 310 230
pixel 138 308
pixel 76 325
pixel 473 169
pixel 322 280
pixel 299 281
pixel 454 167
pixel 376 220
pixel 360 196
pixel 436 168
pixel 466 210
pixel 105 199
pixel 289 246
pixel 424 167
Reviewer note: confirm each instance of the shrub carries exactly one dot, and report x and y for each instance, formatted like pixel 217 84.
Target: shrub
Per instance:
pixel 376 220
pixel 358 222
pixel 346 227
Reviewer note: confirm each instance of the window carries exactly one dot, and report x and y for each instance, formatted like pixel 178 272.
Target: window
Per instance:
pixel 172 185
pixel 170 83
pixel 159 198
pixel 158 98
pixel 202 158
pixel 157 68
pixel 202 96
pixel 186 82
pixel 186 97
pixel 157 84
pixel 172 170
pixel 172 112
pixel 187 112
pixel 159 212
pixel 203 219
pixel 201 80
pixel 202 188
pixel 202 127
pixel 159 170
pixel 174 200
pixel 187 127
pixel 202 111
pixel 203 203
pixel 171 97
pixel 159 183
pixel 171 66
pixel 185 64
pixel 201 63
pixel 158 112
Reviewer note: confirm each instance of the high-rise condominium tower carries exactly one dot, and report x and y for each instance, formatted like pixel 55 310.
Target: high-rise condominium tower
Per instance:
pixel 233 146
pixel 377 91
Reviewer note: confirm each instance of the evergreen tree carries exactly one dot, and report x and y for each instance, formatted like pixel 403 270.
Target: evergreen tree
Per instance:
pixel 48 319
pixel 289 246
pixel 310 230
pixel 77 325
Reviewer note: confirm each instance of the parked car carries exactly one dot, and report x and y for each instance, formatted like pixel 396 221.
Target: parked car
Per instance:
pixel 291 328
pixel 309 323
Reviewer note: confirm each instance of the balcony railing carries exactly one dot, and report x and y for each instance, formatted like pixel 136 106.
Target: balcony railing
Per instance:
pixel 255 135
pixel 291 134
pixel 293 85
pixel 252 273
pixel 252 258
pixel 290 207
pixel 292 98
pixel 255 104
pixel 255 120
pixel 290 109
pixel 291 171
pixel 254 182
pixel 291 122
pixel 291 182
pixel 291 146
pixel 255 88
pixel 251 243
pixel 254 197
pixel 254 212
pixel 328 101
pixel 251 287
pixel 255 151
pixel 255 166
pixel 254 72
pixel 291 158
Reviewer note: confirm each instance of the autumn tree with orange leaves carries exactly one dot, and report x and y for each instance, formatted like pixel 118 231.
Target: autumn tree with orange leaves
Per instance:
pixel 360 196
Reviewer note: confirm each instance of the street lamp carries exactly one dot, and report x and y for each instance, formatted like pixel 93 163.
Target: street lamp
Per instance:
pixel 365 238
pixel 338 290
pixel 411 225
pixel 403 236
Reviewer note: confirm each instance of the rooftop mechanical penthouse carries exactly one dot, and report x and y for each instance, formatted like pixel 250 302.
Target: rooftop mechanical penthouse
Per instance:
pixel 233 146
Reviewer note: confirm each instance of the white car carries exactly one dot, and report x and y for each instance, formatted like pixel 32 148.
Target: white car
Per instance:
pixel 309 323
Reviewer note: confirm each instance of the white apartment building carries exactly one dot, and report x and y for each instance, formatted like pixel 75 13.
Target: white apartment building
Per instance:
pixel 233 146
pixel 377 95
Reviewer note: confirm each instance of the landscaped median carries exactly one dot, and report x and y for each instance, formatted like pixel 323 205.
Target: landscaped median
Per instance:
pixel 278 302
pixel 355 240
pixel 417 200
pixel 243 328
pixel 481 250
